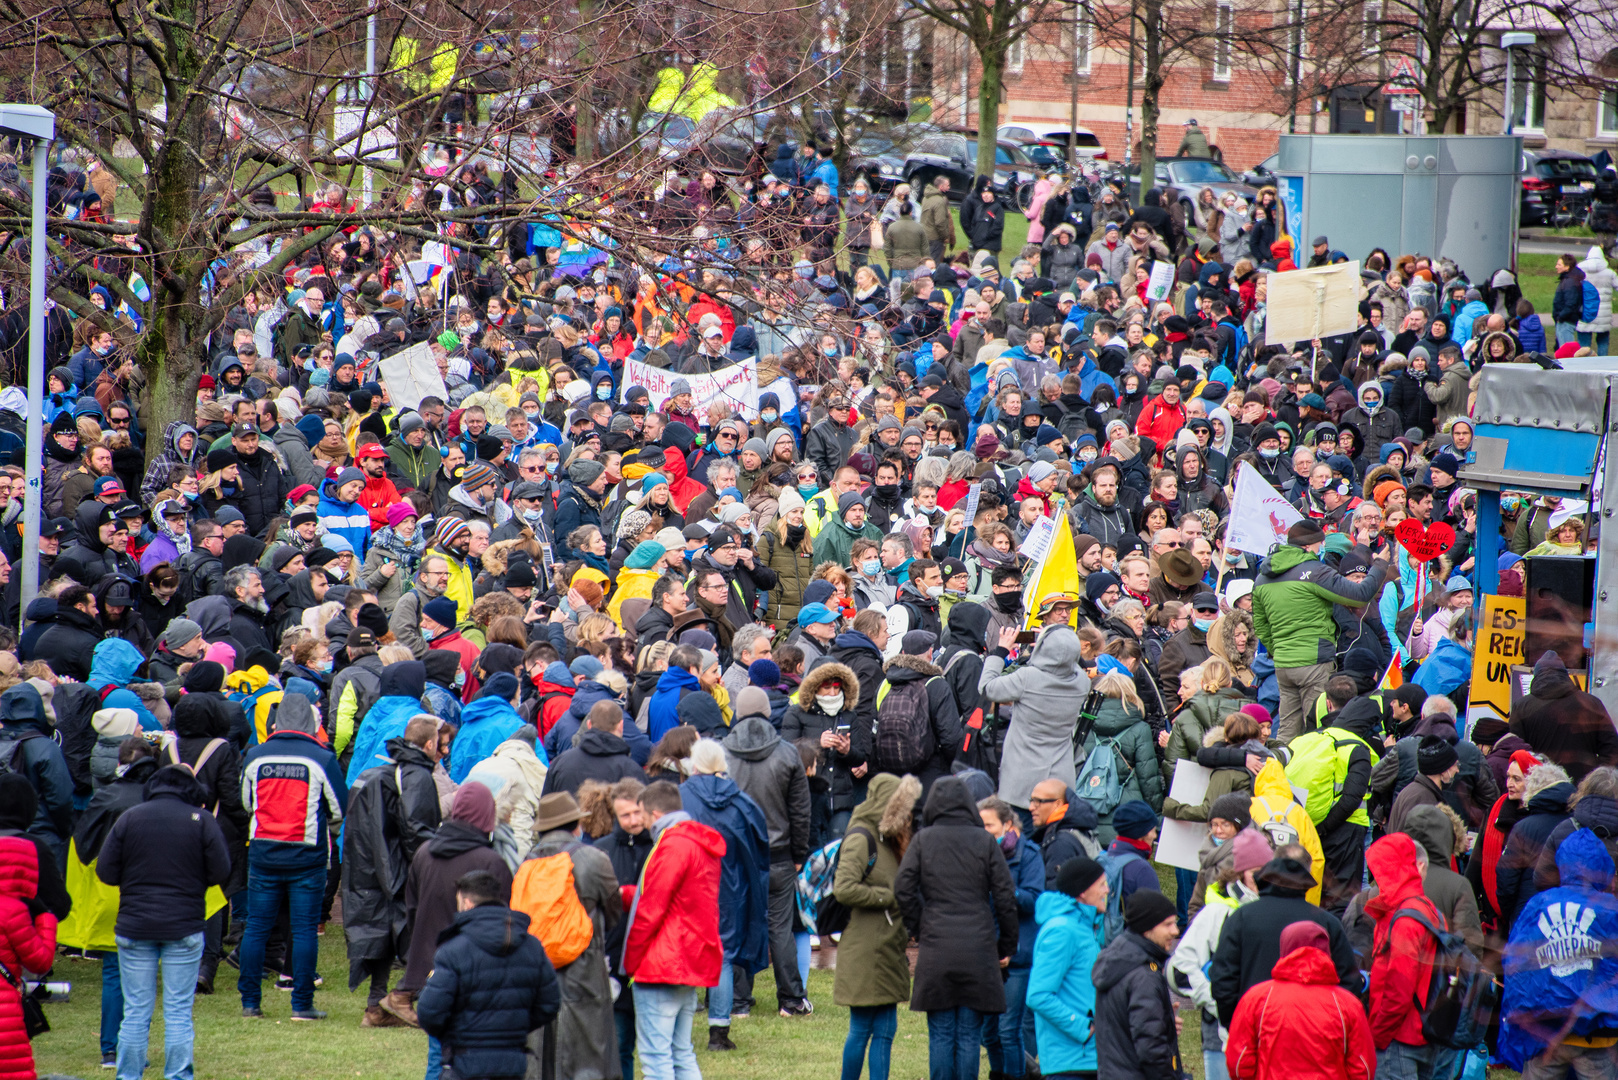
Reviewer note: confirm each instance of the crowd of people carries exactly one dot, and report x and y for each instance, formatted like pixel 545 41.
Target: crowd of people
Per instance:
pixel 575 707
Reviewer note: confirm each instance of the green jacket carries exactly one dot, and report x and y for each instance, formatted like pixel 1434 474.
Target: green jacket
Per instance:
pixel 1292 602
pixel 1201 715
pixel 935 217
pixel 414 467
pixel 1136 748
pixel 872 968
pixel 836 538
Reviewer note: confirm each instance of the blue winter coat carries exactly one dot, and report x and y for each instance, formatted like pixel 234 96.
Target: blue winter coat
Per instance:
pixel 663 714
pixel 491 985
pixel 485 724
pixel 744 873
pixel 588 694
pixel 1461 329
pixel 1060 993
pixel 349 520
pixel 1556 962
pixel 1446 667
pixel 1028 876
pixel 114 663
pixel 386 719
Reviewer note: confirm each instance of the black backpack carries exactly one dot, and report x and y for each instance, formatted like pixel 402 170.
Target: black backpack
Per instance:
pixel 904 728
pixel 1461 998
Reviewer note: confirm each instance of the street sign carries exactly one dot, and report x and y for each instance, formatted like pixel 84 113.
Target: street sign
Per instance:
pixel 1402 79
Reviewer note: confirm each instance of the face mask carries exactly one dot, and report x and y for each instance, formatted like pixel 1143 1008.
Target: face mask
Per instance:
pixel 807 490
pixel 428 635
pixel 603 393
pixel 1217 842
pixel 551 466
pixel 829 350
pixel 831 705
pixel 533 417
pixel 1372 406
pixel 1202 624
pixel 1087 456
pixel 768 416
pixel 324 666
pixel 871 567
pixel 1269 455
pixel 888 491
pixel 935 591
pixel 460 678
pixel 191 496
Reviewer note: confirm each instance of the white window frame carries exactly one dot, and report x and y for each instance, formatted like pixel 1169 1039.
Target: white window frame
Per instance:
pixel 1531 91
pixel 1607 113
pixel 1224 47
pixel 1371 28
pixel 1017 51
pixel 1084 36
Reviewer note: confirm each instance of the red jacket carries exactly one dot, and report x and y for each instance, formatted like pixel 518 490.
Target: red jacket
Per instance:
pixel 1027 490
pixel 708 306
pixel 1160 421
pixel 1403 951
pixel 468 652
pixel 25 943
pixel 1300 1025
pixel 673 934
pixel 379 494
pixel 551 709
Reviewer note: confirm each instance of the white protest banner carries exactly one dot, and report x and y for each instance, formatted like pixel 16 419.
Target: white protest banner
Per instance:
pixel 1316 302
pixel 1161 281
pixel 411 375
pixel 974 493
pixel 1179 841
pixel 1259 515
pixel 735 386
pixel 1038 541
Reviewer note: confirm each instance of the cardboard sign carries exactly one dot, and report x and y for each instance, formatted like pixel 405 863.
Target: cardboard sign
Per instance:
pixel 1161 281
pixel 1500 640
pixel 1424 543
pixel 1315 303
pixel 1179 841
pixel 735 386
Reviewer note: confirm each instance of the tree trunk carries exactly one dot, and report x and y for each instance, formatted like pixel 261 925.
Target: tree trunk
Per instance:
pixel 584 139
pixel 1152 27
pixel 994 64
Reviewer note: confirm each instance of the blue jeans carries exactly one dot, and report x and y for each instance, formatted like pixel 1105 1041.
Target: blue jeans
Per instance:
pixel 625 1022
pixel 1401 1061
pixel 1185 883
pixel 435 1059
pixel 1213 1065
pixel 722 997
pixel 1598 341
pixel 138 964
pixel 112 1002
pixel 952 1043
pixel 302 889
pixel 663 1016
pixel 875 1024
pixel 1002 1034
pixel 1565 332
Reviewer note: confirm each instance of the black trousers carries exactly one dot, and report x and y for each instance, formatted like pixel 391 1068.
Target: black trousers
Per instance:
pixel 1344 851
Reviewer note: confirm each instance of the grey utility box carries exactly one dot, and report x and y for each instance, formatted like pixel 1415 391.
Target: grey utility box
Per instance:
pixel 1452 196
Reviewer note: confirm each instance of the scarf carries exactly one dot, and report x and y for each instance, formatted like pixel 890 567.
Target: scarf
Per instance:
pixel 407 553
pixel 722 628
pixel 991 556
pixel 1139 845
pixel 181 540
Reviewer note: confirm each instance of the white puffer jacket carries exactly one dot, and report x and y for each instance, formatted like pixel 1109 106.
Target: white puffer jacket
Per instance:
pixel 1599 274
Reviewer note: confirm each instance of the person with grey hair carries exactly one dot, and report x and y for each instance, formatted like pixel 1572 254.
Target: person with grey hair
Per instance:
pixel 243 586
pixel 750 642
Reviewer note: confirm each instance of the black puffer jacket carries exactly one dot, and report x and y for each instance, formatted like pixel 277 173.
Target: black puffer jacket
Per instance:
pixel 392 811
pixel 67 644
pixel 1134 1015
pixel 600 755
pixel 805 720
pixel 770 772
pixel 262 491
pixel 953 885
pixel 163 855
pixel 199 719
pixel 88 560
pixel 491 985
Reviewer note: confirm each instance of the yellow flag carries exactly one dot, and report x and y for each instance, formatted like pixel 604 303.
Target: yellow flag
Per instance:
pixel 1056 570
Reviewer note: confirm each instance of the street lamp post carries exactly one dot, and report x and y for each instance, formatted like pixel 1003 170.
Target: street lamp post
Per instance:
pixel 1509 42
pixel 37 125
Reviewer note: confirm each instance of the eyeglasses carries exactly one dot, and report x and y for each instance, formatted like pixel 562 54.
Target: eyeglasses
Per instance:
pixel 118 421
pixel 726 435
pixel 1033 801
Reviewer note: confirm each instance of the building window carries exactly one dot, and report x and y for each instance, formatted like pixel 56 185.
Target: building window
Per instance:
pixel 1084 32
pixel 1017 51
pixel 1224 28
pixel 1528 92
pixel 1607 123
pixel 1373 28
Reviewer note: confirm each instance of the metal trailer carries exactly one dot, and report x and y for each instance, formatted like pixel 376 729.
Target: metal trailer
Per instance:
pixel 1543 432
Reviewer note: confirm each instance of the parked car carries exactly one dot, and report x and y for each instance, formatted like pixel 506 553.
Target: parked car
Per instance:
pixel 1557 187
pixel 1262 174
pixel 1086 143
pixel 723 141
pixel 1189 176
pixel 955 155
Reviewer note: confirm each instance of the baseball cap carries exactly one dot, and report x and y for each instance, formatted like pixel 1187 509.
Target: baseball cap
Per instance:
pixel 370 450
pixel 815 613
pixel 244 429
pixel 109 485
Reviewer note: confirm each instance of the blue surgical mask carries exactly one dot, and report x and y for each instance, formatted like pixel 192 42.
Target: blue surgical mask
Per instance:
pixel 871 567
pixel 769 416
pixel 1269 455
pixel 603 393
pixel 533 417
pixel 324 666
pixel 1202 624
pixel 829 350
pixel 1217 842
pixel 551 466
pixel 807 490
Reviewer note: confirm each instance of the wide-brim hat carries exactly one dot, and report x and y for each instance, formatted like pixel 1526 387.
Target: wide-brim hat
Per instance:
pixel 556 810
pixel 1180 568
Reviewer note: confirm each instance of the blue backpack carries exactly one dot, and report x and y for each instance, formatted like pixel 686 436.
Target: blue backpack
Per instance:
pixel 1113 922
pixel 1592 303
pixel 1099 783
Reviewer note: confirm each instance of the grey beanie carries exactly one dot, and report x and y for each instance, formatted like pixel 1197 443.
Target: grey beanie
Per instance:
pixel 348 476
pixel 678 387
pixel 584 471
pixel 411 421
pixel 757 447
pixel 180 632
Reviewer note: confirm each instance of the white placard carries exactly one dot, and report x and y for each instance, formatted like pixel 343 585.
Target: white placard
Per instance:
pixel 1190 784
pixel 1178 843
pixel 1317 302
pixel 1037 544
pixel 410 375
pixel 973 494
pixel 736 386
pixel 1161 281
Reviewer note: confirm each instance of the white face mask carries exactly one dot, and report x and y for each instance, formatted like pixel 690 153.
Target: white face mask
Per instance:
pixel 831 704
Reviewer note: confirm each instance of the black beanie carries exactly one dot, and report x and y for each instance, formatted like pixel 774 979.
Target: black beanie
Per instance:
pixel 1234 808
pixel 1077 875
pixel 1146 909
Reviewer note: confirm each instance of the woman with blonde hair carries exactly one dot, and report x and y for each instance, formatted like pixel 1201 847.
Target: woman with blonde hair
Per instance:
pixel 1121 720
pixel 1214 700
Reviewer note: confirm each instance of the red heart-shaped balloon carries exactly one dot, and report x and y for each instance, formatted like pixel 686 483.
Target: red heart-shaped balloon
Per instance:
pixel 1424 543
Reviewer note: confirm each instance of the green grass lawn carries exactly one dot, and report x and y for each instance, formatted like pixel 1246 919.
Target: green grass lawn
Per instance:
pixel 228 1046
pixel 1536 275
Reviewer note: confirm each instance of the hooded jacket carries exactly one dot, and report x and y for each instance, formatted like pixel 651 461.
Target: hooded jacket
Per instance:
pixel 162 856
pixel 1545 810
pixel 68 643
pixel 875 969
pixel 1273 800
pixel 1134 1016
pixel 1562 722
pixel 27 746
pixel 1060 993
pixel 294 790
pixel 392 811
pixel 1300 1025
pixel 673 935
pixel 485 723
pixel 600 755
pixel 806 720
pixel 769 771
pixel 1403 950
pixel 492 985
pixel 1039 740
pixel 1557 962
pixel 1136 750
pixel 954 884
pixel 27 942
pixel 744 887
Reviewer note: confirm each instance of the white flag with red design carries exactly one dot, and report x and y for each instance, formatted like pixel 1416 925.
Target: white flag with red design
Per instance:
pixel 1259 515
